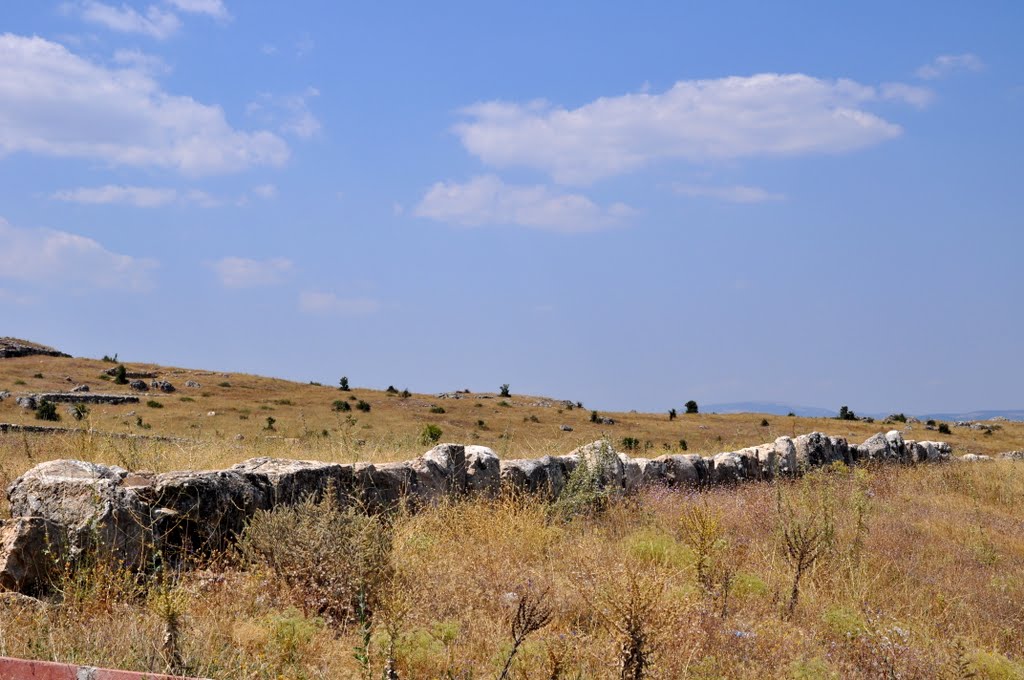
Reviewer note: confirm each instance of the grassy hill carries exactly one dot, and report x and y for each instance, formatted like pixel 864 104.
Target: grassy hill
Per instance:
pixel 226 419
pixel 919 570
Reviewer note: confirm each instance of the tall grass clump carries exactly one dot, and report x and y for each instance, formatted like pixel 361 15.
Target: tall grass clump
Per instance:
pixel 334 559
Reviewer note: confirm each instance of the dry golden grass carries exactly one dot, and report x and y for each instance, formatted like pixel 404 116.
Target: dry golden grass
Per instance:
pixel 307 426
pixel 934 590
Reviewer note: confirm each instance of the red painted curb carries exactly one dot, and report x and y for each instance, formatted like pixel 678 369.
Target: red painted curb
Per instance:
pixel 24 669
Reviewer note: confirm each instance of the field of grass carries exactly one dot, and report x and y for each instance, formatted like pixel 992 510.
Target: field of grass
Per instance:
pixel 917 572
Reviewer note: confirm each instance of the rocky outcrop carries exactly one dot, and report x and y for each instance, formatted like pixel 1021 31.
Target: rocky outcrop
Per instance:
pixel 13 347
pixel 63 508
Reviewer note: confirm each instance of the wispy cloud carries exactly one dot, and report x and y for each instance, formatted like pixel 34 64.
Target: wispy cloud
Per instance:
pixel 289 112
pixel 142 197
pixel 155 22
pixel 695 120
pixel 487 200
pixel 948 64
pixel 212 8
pixel 730 194
pixel 265 191
pixel 49 257
pixel 77 108
pixel 330 304
pixel 242 272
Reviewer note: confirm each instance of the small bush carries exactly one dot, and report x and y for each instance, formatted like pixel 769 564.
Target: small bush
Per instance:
pixel 682 445
pixel 337 561
pixel 671 414
pixel 47 410
pixel 363 406
pixel 120 375
pixel 224 384
pixel 504 404
pixel 405 394
pixel 630 443
pixel 593 416
pixel 431 434
pixel 270 423
pixel 764 422
pixel 391 390
pixel 437 409
pixel 897 418
pixel 481 425
pixel 504 391
pixel 110 360
pixel 930 422
pixel 691 407
pixel 152 403
pixel 79 411
pixel 38 376
pixel 341 405
pixel 20 382
pixel 944 428
pixel 282 402
pixel 186 399
pixel 846 414
pixel 585 492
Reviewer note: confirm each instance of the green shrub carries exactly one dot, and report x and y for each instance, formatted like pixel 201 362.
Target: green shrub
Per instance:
pixel 363 406
pixel 186 399
pixel 944 428
pixel 405 394
pixel 585 492
pixel 343 384
pixel 120 375
pixel 504 404
pixel 270 423
pixel 391 390
pixel 341 405
pixel 431 434
pixel 846 414
pixel 682 445
pixel 437 409
pixel 38 376
pixel 630 443
pixel 110 360
pixel 897 418
pixel 593 416
pixel 504 391
pixel 152 403
pixel 224 384
pixel 47 410
pixel 764 422
pixel 691 406
pixel 79 411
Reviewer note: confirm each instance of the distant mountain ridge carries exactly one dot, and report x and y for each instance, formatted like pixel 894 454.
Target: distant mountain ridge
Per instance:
pixel 781 409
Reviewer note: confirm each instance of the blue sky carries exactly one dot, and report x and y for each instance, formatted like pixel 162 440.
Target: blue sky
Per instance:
pixel 628 204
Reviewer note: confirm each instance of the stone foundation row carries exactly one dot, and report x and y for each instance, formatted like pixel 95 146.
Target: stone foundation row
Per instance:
pixel 64 508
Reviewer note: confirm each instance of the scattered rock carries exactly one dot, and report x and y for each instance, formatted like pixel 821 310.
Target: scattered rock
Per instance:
pixel 27 402
pixel 138 385
pixel 137 375
pixel 975 458
pixel 1012 455
pixel 565 428
pixel 162 385
pixel 4 395
pixel 80 388
pixel 210 414
pixel 192 384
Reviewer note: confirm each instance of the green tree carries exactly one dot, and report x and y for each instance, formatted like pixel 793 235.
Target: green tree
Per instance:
pixel 120 375
pixel 343 383
pixel 504 391
pixel 691 406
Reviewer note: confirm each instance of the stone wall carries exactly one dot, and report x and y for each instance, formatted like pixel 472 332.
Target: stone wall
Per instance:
pixel 64 507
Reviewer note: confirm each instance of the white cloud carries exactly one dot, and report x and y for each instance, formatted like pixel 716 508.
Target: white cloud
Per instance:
pixel 242 272
pixel 486 200
pixel 140 61
pixel 697 120
pixel 156 23
pixel 55 103
pixel 213 8
pixel 265 191
pixel 908 94
pixel 290 112
pixel 46 256
pixel 142 197
pixel 947 64
pixel 730 194
pixel 323 303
